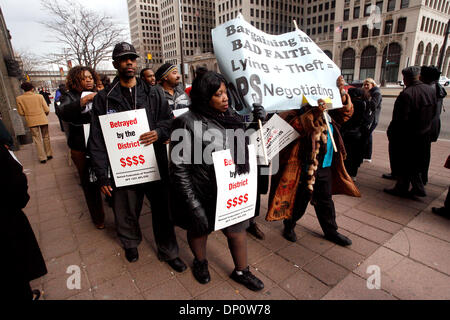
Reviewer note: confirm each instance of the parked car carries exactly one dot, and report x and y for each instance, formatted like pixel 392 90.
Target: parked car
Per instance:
pixel 444 81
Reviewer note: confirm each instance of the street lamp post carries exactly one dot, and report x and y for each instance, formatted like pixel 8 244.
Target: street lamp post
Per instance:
pixel 441 54
pixel 387 54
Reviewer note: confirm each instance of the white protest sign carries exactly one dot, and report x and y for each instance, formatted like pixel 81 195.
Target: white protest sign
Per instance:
pixel 277 135
pixel 89 104
pixel 86 130
pixel 131 163
pixel 179 112
pixel 236 194
pixel 276 71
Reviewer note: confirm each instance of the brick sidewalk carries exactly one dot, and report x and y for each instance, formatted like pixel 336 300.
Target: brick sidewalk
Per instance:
pixel 409 243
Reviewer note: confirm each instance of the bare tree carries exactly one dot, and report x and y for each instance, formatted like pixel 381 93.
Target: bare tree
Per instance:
pixel 89 35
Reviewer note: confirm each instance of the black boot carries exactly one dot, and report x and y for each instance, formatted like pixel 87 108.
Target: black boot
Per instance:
pixel 132 254
pixel 288 232
pixel 339 239
pixel 254 230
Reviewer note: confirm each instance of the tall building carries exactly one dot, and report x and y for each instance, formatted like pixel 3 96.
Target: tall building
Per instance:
pixel 380 38
pixel 197 19
pixel 145 30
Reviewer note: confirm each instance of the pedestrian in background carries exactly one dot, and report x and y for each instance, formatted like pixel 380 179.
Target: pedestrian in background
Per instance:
pixel 75 110
pixel 148 76
pixel 373 99
pixel 194 186
pixel 169 80
pixel 23 260
pixel 35 110
pixel 409 134
pixel 430 75
pixel 59 92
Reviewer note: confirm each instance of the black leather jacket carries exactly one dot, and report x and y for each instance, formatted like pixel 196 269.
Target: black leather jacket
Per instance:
pixel 192 176
pixel 69 110
pixel 159 116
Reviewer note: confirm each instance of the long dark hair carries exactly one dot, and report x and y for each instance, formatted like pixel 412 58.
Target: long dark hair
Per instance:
pixel 204 87
pixel 76 75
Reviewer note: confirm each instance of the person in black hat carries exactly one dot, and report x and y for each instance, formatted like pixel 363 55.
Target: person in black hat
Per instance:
pixel 430 75
pixel 409 133
pixel 169 80
pixel 128 92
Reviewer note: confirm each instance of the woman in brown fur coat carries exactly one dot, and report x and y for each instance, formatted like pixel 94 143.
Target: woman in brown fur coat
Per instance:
pixel 311 172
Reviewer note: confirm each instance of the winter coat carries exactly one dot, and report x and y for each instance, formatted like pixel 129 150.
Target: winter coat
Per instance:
pixel 23 259
pixel 34 108
pixel 179 100
pixel 285 182
pixel 410 128
pixel 159 116
pixel 374 106
pixel 193 184
pixel 69 110
pixel 436 124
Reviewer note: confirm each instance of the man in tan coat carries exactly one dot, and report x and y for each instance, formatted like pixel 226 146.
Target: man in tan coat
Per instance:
pixel 35 110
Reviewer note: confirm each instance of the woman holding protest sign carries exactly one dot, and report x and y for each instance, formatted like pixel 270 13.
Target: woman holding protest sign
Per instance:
pixel 193 175
pixel 75 109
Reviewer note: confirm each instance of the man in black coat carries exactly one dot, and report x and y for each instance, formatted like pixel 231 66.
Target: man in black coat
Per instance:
pixel 129 93
pixel 430 75
pixel 409 133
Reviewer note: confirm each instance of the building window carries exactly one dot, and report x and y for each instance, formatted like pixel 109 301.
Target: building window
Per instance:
pixel 348 64
pixel 354 32
pixel 391 5
pixel 344 34
pixel 404 4
pixel 391 62
pixel 380 5
pixel 356 13
pixel 346 14
pixel 401 25
pixel 368 62
pixel 388 26
pixel 364 31
pixel 367 10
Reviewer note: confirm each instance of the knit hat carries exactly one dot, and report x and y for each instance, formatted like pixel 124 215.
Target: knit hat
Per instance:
pixel 164 70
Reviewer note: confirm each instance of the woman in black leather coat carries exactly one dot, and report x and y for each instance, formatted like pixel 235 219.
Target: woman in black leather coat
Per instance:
pixel 75 111
pixel 193 180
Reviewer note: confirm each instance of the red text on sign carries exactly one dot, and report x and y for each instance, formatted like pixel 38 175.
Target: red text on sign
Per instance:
pixel 237 201
pixel 132 161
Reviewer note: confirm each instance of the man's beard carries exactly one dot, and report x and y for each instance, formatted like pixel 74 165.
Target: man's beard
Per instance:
pixel 127 74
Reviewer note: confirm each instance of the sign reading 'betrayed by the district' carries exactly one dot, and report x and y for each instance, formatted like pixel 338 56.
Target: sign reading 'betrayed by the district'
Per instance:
pixel 131 162
pixel 236 194
pixel 276 71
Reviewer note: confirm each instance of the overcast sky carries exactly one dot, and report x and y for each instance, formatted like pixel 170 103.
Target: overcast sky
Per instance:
pixel 23 16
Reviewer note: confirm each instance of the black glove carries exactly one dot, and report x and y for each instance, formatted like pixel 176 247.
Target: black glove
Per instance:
pixel 258 112
pixel 199 222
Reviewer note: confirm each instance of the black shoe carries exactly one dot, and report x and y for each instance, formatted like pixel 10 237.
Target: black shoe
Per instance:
pixel 43 161
pixel 398 193
pixel 247 279
pixel 339 239
pixel 289 233
pixel 254 230
pixel 441 212
pixel 132 254
pixel 418 193
pixel 388 176
pixel 49 157
pixel 177 264
pixel 36 294
pixel 200 271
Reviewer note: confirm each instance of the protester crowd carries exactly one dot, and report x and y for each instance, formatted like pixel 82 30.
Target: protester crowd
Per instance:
pixel 310 171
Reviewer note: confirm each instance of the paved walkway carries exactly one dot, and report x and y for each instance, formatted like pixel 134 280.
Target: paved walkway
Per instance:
pixel 403 238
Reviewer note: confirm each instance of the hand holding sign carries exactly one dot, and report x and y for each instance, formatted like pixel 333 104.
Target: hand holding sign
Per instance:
pixel 149 137
pixel 87 98
pixel 106 190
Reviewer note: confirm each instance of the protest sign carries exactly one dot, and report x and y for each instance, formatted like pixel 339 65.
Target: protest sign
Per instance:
pixel 131 163
pixel 86 130
pixel 281 72
pixel 277 134
pixel 236 194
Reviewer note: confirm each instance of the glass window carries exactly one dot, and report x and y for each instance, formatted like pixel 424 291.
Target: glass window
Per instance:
pixel 356 13
pixel 388 26
pixel 354 32
pixel 401 25
pixel 344 34
pixel 391 5
pixel 346 14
